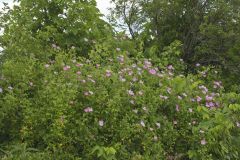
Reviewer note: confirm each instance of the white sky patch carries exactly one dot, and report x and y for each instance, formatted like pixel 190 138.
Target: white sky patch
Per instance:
pixel 10 2
pixel 103 6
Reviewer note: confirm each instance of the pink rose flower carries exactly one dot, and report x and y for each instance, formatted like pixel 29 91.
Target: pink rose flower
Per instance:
pixel 209 98
pixel 108 73
pixel 199 99
pixel 203 142
pixel 152 71
pixel 65 68
pixel 131 93
pixel 88 110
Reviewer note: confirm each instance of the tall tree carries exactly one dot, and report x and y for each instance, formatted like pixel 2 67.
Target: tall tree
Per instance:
pixel 209 30
pixel 46 23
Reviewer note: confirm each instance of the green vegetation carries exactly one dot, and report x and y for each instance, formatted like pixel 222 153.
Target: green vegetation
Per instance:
pixel 71 87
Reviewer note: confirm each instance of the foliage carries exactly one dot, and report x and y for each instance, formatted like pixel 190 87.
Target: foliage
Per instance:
pixel 42 24
pixel 130 108
pixel 207 29
pixel 70 88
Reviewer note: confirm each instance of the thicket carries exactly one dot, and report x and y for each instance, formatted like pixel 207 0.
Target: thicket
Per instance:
pixel 72 87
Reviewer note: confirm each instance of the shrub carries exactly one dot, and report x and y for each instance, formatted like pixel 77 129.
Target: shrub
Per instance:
pixel 111 106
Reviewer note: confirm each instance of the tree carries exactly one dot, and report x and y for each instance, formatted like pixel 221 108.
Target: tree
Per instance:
pixel 58 24
pixel 208 29
pixel 128 14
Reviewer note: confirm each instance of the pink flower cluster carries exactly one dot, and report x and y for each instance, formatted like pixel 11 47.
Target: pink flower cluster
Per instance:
pixel 66 68
pixel 88 110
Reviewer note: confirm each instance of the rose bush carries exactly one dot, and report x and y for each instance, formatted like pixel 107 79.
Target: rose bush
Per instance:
pixel 111 106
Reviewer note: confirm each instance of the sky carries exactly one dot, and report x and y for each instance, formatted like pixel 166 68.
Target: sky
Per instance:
pixel 101 4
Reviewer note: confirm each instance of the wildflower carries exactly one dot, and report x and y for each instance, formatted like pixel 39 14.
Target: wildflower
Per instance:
pixel 152 71
pixel 179 97
pixel 142 123
pixel 141 82
pixel 204 89
pixel 147 64
pixel 158 125
pixel 197 65
pixel 54 46
pixel 169 90
pixel 108 73
pixel 131 93
pixel 97 65
pixel 134 66
pixel 132 101
pixel 130 73
pixel 144 108
pixel 83 81
pixel 160 75
pixel 204 74
pixel 210 104
pixel 190 110
pixel 65 68
pixel 177 108
pixel 101 123
pixel 1 90
pixel 121 58
pixel 203 142
pixel 90 92
pixel 175 122
pixel 199 99
pixel 79 65
pixel 122 79
pixel 88 110
pixel 134 79
pixel 10 87
pixel 118 49
pixel 201 131
pixel 74 61
pixel 87 93
pixel 140 93
pixel 209 98
pixel 193 122
pixel 192 99
pixel 217 84
pixel 155 138
pixel 170 67
pixel 151 129
pixel 31 84
pixel 92 80
pixel 238 124
pixel 163 97
pixel 47 65
pixel 78 72
pixel 85 39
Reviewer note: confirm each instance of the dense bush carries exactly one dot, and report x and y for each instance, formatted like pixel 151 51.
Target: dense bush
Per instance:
pixel 72 88
pixel 115 107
